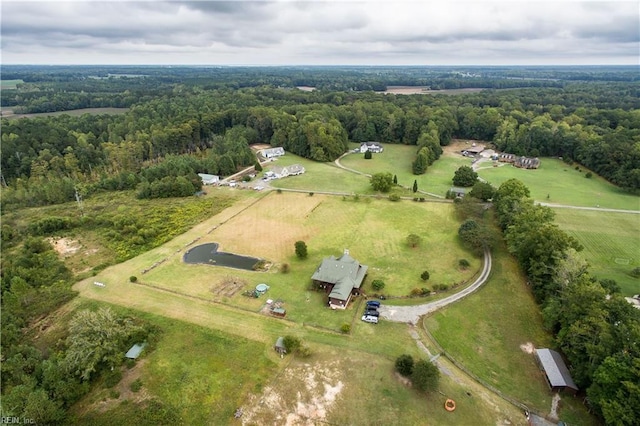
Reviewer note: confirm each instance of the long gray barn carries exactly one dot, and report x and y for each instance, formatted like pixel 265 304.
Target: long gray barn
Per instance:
pixel 555 370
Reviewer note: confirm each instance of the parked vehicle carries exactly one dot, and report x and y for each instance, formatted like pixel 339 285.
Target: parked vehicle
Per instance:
pixel 373 303
pixel 372 313
pixel 370 319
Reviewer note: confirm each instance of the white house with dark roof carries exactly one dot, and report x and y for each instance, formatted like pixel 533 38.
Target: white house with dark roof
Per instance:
pixel 273 152
pixel 374 147
pixel 341 278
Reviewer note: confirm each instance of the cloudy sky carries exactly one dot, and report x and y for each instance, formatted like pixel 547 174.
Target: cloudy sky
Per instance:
pixel 285 32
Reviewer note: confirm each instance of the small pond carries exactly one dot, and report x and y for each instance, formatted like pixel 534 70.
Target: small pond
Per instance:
pixel 209 255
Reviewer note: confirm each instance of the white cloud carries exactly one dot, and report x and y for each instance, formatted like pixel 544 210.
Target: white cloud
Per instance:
pixel 321 32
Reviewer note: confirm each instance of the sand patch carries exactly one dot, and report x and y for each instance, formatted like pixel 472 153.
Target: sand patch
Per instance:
pixel 528 348
pixel 65 246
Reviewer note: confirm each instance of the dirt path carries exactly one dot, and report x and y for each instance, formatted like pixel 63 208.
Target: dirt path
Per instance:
pixel 411 314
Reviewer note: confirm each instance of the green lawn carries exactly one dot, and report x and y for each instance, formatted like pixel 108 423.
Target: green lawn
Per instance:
pixel 611 243
pixel 559 183
pixel 373 230
pixel 10 84
pixel 320 177
pixel 397 159
pixel 484 332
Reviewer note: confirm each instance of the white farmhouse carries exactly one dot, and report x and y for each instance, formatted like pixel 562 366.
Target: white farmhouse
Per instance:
pixel 374 147
pixel 273 152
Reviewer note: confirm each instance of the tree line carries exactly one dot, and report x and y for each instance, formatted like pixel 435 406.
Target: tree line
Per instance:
pixel 594 326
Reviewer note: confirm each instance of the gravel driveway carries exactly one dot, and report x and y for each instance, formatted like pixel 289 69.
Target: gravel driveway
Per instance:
pixel 411 314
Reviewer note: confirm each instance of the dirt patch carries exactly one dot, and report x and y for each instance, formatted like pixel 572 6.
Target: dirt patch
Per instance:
pixel 404 380
pixel 555 402
pixel 528 348
pixel 124 389
pixel 229 286
pixel 65 246
pixel 303 394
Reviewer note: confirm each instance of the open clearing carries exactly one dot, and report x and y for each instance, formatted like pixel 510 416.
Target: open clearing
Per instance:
pixel 10 84
pixel 373 230
pixel 426 90
pixel 7 113
pixel 610 241
pixel 560 183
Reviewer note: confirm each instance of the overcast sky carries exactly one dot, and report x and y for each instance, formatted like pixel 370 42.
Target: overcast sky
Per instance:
pixel 321 32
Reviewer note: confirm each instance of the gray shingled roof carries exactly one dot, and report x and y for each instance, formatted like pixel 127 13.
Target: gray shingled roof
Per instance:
pixel 555 368
pixel 345 273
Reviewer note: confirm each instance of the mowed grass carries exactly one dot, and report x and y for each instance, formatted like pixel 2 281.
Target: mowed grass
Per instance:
pixel 397 160
pixel 559 183
pixel 373 230
pixel 484 333
pixel 611 243
pixel 319 177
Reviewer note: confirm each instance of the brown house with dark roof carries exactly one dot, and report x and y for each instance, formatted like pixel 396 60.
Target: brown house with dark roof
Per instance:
pixel 341 278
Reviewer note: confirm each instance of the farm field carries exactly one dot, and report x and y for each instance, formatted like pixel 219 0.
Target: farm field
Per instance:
pixel 563 184
pixel 491 333
pixel 397 159
pixel 376 236
pixel 10 84
pixel 610 241
pixel 7 113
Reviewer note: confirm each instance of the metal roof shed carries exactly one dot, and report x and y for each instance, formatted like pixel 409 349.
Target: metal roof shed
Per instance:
pixel 555 370
pixel 135 350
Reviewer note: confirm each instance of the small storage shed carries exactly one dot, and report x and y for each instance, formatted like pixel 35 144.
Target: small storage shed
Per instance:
pixel 279 346
pixel 135 350
pixel 279 312
pixel 555 371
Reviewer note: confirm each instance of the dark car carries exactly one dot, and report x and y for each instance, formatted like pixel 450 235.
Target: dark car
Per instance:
pixel 372 313
pixel 373 303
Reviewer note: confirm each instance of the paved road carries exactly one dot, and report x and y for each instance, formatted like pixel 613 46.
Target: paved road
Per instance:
pixel 411 314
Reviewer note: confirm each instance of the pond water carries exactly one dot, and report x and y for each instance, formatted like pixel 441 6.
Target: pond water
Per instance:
pixel 208 254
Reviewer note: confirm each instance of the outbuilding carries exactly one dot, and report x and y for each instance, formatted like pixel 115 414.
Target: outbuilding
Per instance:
pixel 555 370
pixel 279 346
pixel 135 350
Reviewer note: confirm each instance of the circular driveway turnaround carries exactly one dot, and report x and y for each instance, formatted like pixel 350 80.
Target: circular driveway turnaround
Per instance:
pixel 411 314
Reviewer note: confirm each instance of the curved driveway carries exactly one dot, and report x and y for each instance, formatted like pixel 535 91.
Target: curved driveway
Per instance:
pixel 411 314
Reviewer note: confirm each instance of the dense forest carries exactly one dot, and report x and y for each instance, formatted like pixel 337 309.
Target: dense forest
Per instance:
pixel 182 121
pixel 44 160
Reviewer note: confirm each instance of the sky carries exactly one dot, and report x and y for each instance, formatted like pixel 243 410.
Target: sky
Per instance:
pixel 285 32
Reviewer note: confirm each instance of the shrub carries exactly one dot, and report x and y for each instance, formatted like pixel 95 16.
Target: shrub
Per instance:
pixel 133 279
pixel 413 240
pixel 425 275
pixel 635 272
pixel 416 292
pixel 279 191
pixel 112 378
pixel 304 351
pixel 464 263
pixel 425 376
pixel 404 365
pixel 285 268
pixel 345 328
pixel 291 343
pixel 301 249
pixel 377 285
pixel 589 175
pixel 425 291
pixel 367 155
pixel 246 178
pixel 136 385
pixel 394 197
pixel 311 194
pixel 114 394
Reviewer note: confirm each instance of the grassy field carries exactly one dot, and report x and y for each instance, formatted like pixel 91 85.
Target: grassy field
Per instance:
pixel 10 84
pixel 74 112
pixel 320 177
pixel 397 159
pixel 610 241
pixel 373 230
pixel 487 334
pixel 560 183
